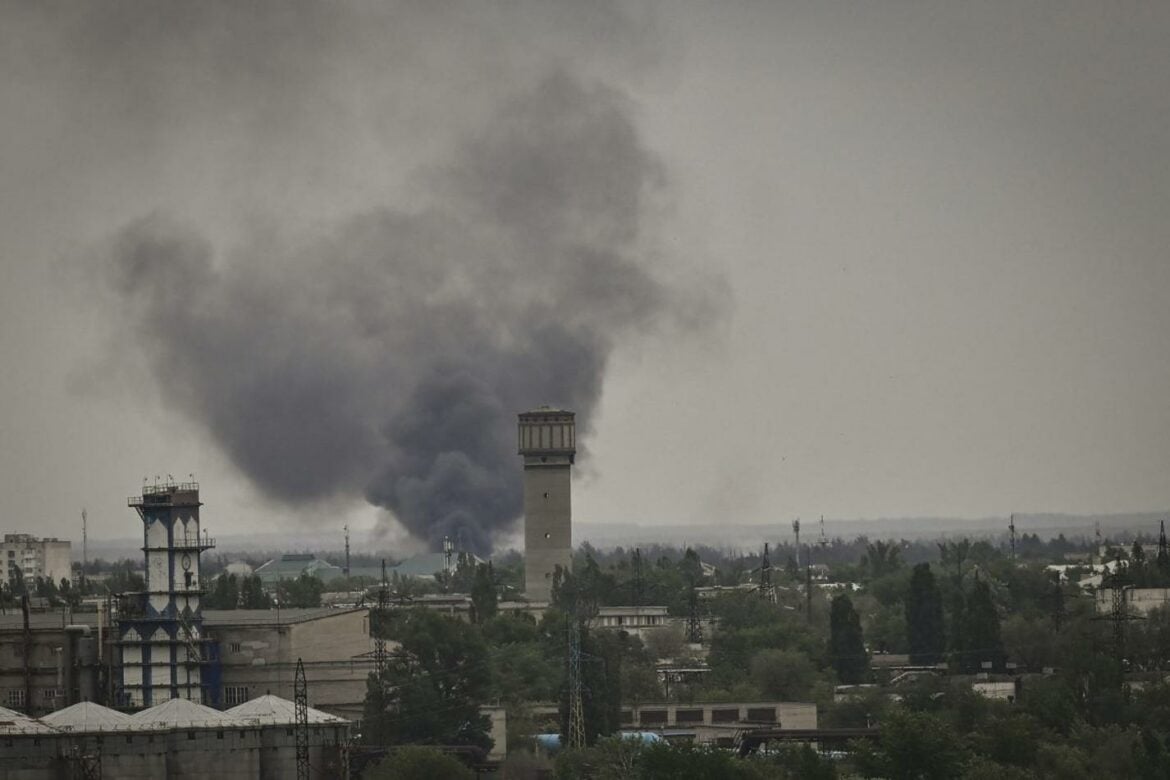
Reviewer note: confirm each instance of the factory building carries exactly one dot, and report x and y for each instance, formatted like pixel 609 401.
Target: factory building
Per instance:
pixel 548 444
pixel 73 658
pixel 176 739
pixel 164 650
pixel 25 557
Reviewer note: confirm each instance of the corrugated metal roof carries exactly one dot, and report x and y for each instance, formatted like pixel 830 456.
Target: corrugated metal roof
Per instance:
pixel 15 723
pixel 274 710
pixel 88 716
pixel 181 713
pixel 290 566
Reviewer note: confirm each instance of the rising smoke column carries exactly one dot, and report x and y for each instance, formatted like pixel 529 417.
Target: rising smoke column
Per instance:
pixel 391 356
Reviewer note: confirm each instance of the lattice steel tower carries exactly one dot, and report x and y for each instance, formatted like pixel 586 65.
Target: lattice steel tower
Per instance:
pixel 548 443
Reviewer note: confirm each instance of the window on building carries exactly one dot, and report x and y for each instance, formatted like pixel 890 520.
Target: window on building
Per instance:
pixel 762 714
pixel 15 698
pixel 725 715
pixel 51 695
pixel 653 716
pixel 234 647
pixel 235 694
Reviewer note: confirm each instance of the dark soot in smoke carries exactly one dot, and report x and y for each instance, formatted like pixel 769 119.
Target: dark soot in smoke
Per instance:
pixel 391 357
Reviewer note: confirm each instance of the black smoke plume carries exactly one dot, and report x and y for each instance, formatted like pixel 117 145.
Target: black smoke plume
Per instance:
pixel 391 356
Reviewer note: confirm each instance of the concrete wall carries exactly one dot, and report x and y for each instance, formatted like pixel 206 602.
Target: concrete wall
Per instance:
pixel 548 541
pixel 334 649
pixel 1139 601
pixel 327 759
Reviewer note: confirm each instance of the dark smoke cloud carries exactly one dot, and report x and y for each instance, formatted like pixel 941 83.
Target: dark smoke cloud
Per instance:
pixel 391 356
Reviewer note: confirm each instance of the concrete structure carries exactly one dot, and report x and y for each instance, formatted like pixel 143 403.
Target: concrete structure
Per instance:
pixel 1138 601
pixel 177 739
pixel 27 557
pixel 276 718
pixel 164 650
pixel 55 664
pixel 548 444
pixel 258 652
pixel 638 621
pixel 73 657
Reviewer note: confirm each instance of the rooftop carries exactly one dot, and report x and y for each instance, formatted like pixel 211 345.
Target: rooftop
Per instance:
pixel 185 714
pixel 268 617
pixel 273 710
pixel 88 716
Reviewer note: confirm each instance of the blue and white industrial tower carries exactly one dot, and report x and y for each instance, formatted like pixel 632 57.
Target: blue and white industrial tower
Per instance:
pixel 165 654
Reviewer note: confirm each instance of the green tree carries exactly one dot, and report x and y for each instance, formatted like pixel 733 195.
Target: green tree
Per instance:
pixel 433 684
pixel 881 558
pixel 413 762
pixel 981 633
pixel 846 646
pixel 304 591
pixel 924 617
pixel 484 598
pixel 225 593
pixel 252 595
pixel 783 674
pixel 914 746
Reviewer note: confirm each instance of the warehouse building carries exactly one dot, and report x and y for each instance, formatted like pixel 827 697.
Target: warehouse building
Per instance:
pixel 176 739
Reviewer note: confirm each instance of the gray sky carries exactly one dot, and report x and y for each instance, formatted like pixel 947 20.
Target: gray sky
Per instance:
pixel 913 254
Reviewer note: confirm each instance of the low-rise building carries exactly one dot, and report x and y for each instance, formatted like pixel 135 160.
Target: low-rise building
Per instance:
pixel 290 566
pixel 1138 601
pixel 714 723
pixel 258 652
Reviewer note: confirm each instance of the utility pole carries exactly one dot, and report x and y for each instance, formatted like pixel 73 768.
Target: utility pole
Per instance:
pixel 447 549
pixel 84 546
pixel 808 584
pixel 1012 533
pixel 1163 550
pixel 28 651
pixel 379 639
pixel 796 531
pixel 301 701
pixel 639 584
pixel 694 627
pixel 766 591
pixel 347 551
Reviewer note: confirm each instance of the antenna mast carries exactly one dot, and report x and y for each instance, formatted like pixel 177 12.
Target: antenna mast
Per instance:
pixel 1012 532
pixel 301 702
pixel 576 705
pixel 347 551
pixel 84 544
pixel 694 627
pixel 766 591
pixel 447 548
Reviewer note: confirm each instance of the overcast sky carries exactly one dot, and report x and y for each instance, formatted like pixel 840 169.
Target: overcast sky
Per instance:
pixel 887 258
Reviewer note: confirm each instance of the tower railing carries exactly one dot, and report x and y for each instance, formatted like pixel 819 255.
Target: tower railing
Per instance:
pixel 191 542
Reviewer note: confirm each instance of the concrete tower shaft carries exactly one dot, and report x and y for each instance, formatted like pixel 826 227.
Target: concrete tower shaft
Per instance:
pixel 548 444
pixel 160 630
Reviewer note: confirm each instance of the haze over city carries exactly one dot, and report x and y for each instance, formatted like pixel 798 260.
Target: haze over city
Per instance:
pixel 791 259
